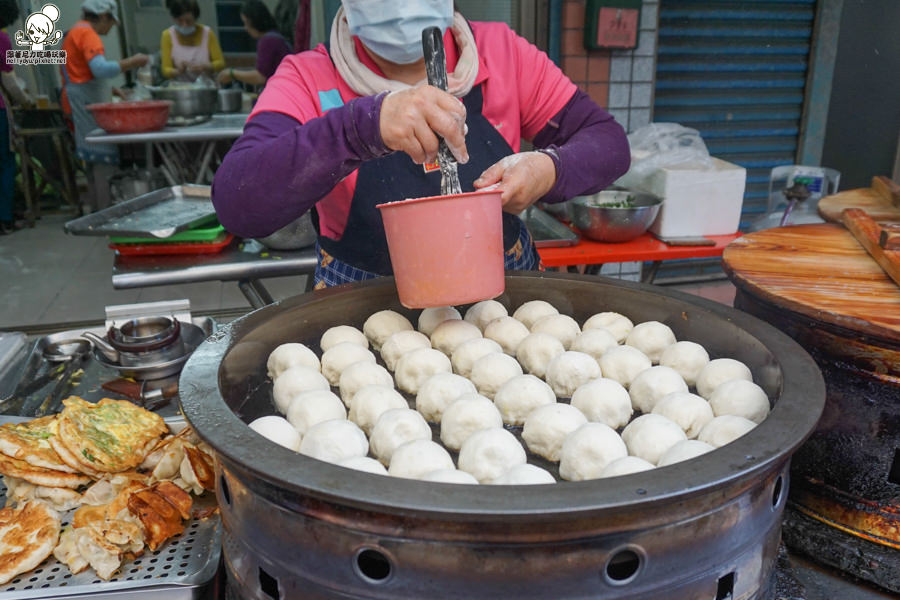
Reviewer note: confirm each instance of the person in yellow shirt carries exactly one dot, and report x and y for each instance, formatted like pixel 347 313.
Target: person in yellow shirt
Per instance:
pixel 188 48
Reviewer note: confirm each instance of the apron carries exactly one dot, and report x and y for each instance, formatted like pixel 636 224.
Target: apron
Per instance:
pixel 189 54
pixel 79 96
pixel 362 251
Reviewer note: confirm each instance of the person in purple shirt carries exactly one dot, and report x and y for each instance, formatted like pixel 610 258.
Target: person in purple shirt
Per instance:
pixel 9 12
pixel 271 46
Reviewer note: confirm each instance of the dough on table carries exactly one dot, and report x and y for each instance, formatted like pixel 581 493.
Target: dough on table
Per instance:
pixel 684 450
pixel 536 351
pixel 520 395
pixel 491 371
pixel 724 430
pixel 430 318
pixel 508 332
pixel 450 476
pixel 382 324
pixel 438 392
pixel 524 474
pixel 413 460
pixel 717 372
pixel 359 375
pixel 547 426
pixel 604 401
pixel 489 453
pixel 467 354
pixel 278 430
pixel 364 464
pixel 466 415
pixel 688 358
pixel 334 441
pixel 689 411
pixel 626 466
pixel 562 327
pixel 650 436
pixel 587 450
pixel 569 371
pixel 288 355
pixel 533 310
pixel 394 428
pixel 651 338
pixel 400 343
pixel 416 366
pixel 595 342
pixel 741 398
pixel 293 382
pixel 311 408
pixel 652 384
pixel 342 333
pixel 371 402
pixel 340 356
pixel 623 363
pixel 450 334
pixel 618 325
pixel 482 313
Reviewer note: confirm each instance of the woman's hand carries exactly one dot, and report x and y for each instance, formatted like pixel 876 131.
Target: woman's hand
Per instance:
pixel 224 77
pixel 197 68
pixel 523 178
pixel 134 61
pixel 411 118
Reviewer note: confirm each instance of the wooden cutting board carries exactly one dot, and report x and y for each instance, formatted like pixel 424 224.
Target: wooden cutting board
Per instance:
pixel 875 239
pixel 819 271
pixel 881 201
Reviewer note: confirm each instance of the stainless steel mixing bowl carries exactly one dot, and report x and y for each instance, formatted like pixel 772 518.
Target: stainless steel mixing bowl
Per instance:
pixel 597 219
pixel 188 101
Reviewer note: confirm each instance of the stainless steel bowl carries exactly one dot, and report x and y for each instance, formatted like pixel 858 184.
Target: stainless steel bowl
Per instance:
pixel 188 101
pixel 610 223
pixel 297 234
pixel 229 100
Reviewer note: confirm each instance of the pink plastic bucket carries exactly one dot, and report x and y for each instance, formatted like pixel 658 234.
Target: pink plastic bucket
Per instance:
pixel 446 250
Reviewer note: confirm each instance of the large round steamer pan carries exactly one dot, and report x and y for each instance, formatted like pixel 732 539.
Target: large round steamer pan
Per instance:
pixel 300 528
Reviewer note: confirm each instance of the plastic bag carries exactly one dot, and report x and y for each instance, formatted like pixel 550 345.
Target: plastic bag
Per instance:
pixel 663 145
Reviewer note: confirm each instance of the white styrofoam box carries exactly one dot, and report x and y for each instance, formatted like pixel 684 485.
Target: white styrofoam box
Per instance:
pixel 695 201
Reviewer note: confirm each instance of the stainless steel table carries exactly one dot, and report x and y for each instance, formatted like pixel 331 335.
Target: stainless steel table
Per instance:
pixel 244 262
pixel 181 164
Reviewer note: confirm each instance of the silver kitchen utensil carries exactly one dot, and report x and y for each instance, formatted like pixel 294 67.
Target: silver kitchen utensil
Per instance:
pixel 436 69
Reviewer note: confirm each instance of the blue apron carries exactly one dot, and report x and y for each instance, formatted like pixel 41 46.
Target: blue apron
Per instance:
pixel 362 251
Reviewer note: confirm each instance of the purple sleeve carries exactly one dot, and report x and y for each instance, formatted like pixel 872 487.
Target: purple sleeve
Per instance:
pixel 269 51
pixel 587 146
pixel 5 44
pixel 279 168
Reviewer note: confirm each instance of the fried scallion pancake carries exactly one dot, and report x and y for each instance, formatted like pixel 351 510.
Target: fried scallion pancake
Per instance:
pixel 13 467
pixel 28 535
pixel 111 435
pixel 30 441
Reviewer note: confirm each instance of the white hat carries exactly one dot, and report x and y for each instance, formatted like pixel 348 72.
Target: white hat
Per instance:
pixel 99 7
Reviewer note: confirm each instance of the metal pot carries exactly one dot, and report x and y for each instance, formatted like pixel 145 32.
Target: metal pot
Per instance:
pixel 141 342
pixel 296 527
pixel 229 100
pixel 188 101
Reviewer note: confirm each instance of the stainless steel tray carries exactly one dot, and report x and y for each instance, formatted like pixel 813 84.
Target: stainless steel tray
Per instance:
pixel 161 214
pixel 546 231
pixel 180 569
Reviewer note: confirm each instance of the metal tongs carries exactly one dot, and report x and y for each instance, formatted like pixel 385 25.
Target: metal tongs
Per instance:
pixel 436 69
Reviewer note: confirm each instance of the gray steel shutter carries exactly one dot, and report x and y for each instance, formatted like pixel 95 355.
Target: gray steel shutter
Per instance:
pixel 736 71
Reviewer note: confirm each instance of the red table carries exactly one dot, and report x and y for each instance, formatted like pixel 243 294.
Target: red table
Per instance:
pixel 643 248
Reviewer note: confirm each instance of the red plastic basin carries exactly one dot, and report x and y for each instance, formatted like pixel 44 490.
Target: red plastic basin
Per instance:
pixel 131 117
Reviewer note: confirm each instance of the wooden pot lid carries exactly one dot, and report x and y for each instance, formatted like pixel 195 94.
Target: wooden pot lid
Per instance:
pixel 819 271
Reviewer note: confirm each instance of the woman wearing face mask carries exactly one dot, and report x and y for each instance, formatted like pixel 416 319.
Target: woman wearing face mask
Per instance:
pixel 344 127
pixel 187 48
pixel 86 76
pixel 271 46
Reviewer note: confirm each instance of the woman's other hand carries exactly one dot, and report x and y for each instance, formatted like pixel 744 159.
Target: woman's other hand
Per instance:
pixel 224 77
pixel 523 178
pixel 135 61
pixel 410 119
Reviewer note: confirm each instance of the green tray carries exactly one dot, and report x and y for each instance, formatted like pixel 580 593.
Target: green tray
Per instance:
pixel 207 232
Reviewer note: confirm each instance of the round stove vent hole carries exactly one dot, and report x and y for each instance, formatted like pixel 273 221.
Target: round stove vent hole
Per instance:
pixel 373 565
pixel 623 566
pixel 223 485
pixel 776 491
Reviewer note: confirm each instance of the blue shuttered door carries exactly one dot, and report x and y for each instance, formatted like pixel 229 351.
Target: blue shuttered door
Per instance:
pixel 736 72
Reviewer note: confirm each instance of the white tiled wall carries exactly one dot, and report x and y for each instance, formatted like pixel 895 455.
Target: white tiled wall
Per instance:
pixel 632 74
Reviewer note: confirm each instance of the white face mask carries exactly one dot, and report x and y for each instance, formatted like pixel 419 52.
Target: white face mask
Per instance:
pixel 189 30
pixel 392 29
